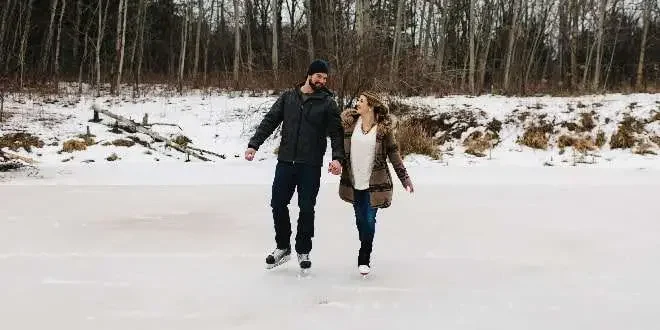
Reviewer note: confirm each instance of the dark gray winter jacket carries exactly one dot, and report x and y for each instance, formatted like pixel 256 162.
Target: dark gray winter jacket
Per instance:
pixel 305 127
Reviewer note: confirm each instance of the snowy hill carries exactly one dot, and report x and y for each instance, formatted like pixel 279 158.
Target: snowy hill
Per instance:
pixel 485 131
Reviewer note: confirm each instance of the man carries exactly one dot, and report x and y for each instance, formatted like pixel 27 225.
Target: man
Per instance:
pixel 308 115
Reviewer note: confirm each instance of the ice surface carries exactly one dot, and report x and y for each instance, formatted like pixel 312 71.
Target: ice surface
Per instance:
pixel 550 254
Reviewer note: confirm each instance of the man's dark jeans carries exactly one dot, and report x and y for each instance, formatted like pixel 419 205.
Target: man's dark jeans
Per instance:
pixel 288 177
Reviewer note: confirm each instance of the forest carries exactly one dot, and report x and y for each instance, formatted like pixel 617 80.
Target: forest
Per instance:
pixel 405 47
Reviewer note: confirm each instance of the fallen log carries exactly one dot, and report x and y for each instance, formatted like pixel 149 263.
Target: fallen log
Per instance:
pixel 130 124
pixel 8 155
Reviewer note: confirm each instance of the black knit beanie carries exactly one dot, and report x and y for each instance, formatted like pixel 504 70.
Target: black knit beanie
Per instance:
pixel 317 66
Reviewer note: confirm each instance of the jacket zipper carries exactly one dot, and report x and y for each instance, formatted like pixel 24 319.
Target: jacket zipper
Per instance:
pixel 300 114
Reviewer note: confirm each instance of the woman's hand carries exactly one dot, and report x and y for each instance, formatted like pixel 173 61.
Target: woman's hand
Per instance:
pixel 409 186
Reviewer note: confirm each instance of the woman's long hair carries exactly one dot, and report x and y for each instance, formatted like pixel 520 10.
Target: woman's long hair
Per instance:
pixel 381 110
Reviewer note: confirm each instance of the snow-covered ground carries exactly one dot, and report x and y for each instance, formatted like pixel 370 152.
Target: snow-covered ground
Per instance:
pixel 569 256
pixel 223 123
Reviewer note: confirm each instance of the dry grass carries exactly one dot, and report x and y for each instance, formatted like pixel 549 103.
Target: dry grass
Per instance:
pixel 112 157
pixel 74 145
pixel 580 144
pixel 624 136
pixel 655 117
pixel 655 139
pixel 587 121
pixel 644 148
pixel 414 139
pixel 535 137
pixel 477 143
pixel 600 139
pixel 123 143
pixel 15 141
pixel 182 140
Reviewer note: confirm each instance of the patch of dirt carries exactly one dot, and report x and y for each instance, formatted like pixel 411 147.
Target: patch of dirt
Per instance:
pixel 15 141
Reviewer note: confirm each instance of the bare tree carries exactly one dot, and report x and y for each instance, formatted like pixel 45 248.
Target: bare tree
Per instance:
pixel 575 11
pixel 237 41
pixel 473 25
pixel 184 42
pixel 26 33
pixel 200 7
pixel 443 8
pixel 599 41
pixel 208 42
pixel 512 38
pixel 102 16
pixel 45 51
pixel 3 28
pixel 248 32
pixel 121 41
pixel 642 49
pixel 394 68
pixel 275 57
pixel 57 44
pixel 310 35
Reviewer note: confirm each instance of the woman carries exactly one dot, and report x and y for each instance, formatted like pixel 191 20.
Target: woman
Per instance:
pixel 366 181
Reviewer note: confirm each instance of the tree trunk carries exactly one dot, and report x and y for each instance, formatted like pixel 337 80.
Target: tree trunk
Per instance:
pixel 574 44
pixel 599 40
pixel 248 37
pixel 102 15
pixel 427 34
pixel 24 39
pixel 76 29
pixel 143 22
pixel 642 48
pixel 184 41
pixel 537 40
pixel 473 26
pixel 45 51
pixel 122 42
pixel 3 29
pixel 275 50
pixel 394 68
pixel 512 39
pixel 616 39
pixel 83 58
pixel 237 42
pixel 208 42
pixel 483 59
pixel 57 45
pixel 443 7
pixel 134 44
pixel 200 6
pixel 310 35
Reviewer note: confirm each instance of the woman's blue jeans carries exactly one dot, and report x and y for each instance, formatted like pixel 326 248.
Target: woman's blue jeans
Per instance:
pixel 365 220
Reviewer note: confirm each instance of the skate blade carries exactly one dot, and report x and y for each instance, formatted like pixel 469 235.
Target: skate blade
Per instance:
pixel 282 261
pixel 304 273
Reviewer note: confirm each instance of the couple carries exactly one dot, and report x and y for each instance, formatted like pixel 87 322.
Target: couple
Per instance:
pixel 361 140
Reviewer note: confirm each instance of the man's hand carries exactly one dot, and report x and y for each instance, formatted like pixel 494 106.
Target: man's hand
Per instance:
pixel 249 154
pixel 334 167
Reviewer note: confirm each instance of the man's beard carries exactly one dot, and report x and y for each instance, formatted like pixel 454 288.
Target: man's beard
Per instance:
pixel 314 86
